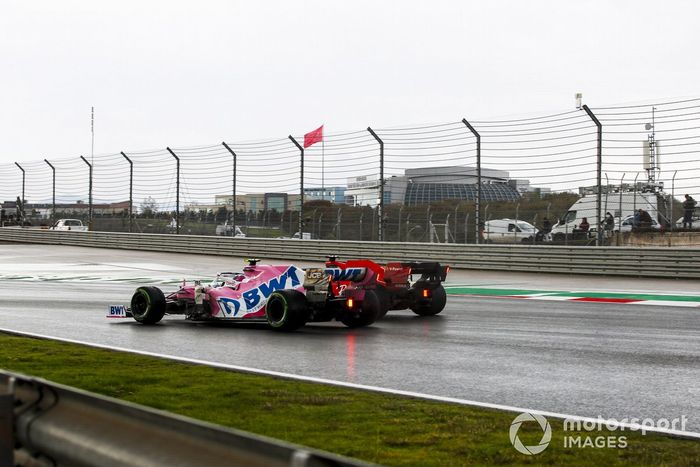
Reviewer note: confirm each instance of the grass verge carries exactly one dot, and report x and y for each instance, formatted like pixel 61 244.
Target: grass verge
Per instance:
pixel 379 428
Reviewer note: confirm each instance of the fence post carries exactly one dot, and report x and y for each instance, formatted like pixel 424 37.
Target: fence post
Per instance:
pixel 177 193
pixel 337 224
pixel 381 183
pixel 23 177
pixel 477 216
pixel 233 199
pixel 89 194
pixel 673 198
pixel 22 205
pixel 53 191
pixel 131 191
pixel 301 181
pixel 599 181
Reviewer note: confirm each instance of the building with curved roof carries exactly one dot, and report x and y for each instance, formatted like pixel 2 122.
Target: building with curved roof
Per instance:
pixel 432 184
pixel 424 193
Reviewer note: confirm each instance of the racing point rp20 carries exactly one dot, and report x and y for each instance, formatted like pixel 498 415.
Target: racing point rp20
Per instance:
pixel 287 297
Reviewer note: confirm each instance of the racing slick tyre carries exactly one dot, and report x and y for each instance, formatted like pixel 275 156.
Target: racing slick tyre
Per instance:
pixel 148 305
pixel 371 310
pixel 286 310
pixel 436 305
pixel 384 300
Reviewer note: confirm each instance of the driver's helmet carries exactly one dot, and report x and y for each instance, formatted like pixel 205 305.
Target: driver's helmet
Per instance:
pixel 228 279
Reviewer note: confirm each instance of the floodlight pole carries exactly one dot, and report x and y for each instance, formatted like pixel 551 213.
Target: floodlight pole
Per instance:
pixel 53 189
pixel 89 194
pixel 301 199
pixel 177 193
pixel 477 217
pixel 381 183
pixel 599 175
pixel 233 199
pixel 131 190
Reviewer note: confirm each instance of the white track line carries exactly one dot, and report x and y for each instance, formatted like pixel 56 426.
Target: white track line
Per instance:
pixel 364 387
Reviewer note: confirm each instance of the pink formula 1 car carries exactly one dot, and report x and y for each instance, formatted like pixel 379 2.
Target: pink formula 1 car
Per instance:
pixel 285 297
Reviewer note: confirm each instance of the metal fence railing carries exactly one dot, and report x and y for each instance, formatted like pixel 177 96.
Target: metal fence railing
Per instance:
pixel 620 261
pixel 48 424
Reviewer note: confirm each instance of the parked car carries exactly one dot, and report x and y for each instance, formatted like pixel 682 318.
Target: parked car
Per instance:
pixel 69 224
pixel 628 224
pixel 509 231
pixel 303 236
pixel 227 230
pixel 695 218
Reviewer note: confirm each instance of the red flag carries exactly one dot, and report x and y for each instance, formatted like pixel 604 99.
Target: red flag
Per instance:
pixel 313 137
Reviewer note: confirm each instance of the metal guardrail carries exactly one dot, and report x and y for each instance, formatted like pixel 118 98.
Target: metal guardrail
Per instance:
pixel 47 424
pixel 618 261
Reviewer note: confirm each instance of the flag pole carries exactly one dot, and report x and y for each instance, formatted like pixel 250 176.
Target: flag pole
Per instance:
pixel 323 168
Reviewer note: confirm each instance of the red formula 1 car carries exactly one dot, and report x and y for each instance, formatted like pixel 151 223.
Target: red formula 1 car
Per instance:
pixel 285 297
pixel 392 286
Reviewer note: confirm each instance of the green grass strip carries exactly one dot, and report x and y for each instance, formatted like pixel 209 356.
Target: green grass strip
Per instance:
pixel 511 292
pixel 379 428
pixel 494 292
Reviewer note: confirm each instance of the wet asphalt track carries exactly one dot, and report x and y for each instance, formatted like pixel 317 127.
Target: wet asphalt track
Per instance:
pixel 585 359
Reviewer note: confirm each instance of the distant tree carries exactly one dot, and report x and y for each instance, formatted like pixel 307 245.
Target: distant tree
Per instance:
pixel 149 207
pixel 221 214
pixel 318 203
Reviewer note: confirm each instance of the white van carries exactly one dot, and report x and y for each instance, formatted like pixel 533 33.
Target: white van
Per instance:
pixel 620 205
pixel 509 231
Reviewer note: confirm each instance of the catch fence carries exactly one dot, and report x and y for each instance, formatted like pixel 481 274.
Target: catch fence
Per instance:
pixel 412 183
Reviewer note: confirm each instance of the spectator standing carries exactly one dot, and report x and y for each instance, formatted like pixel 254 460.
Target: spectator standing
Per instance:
pixel 609 222
pixel 584 225
pixel 544 233
pixel 546 226
pixel 644 219
pixel 636 220
pixel 688 208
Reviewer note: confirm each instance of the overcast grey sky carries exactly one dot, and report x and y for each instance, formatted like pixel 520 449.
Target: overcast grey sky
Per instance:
pixel 189 73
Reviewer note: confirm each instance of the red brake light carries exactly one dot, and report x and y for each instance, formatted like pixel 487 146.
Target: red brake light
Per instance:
pixel 350 303
pixel 426 293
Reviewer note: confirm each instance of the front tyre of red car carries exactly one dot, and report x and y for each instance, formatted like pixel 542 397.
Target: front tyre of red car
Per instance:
pixel 438 299
pixel 286 310
pixel 368 312
pixel 148 305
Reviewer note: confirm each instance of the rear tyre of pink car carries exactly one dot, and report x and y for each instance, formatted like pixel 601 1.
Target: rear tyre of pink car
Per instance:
pixel 384 300
pixel 148 305
pixel 286 310
pixel 369 312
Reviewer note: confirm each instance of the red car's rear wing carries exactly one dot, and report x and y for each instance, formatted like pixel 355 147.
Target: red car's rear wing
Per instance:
pixel 429 269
